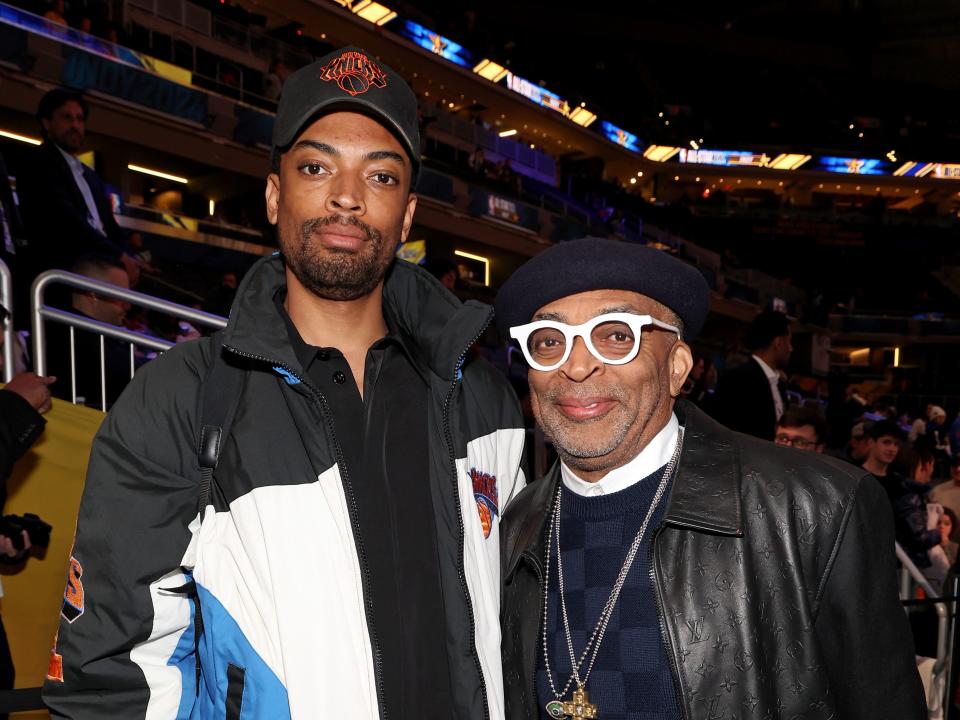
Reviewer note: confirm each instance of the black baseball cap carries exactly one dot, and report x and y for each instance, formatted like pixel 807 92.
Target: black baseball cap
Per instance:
pixel 348 79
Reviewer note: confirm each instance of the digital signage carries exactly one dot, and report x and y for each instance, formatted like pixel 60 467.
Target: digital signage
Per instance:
pixel 619 136
pixel 437 44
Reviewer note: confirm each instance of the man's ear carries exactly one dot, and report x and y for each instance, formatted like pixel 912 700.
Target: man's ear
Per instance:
pixel 681 363
pixel 408 217
pixel 272 195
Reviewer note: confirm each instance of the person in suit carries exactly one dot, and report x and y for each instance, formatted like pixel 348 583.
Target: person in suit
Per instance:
pixel 63 203
pixel 750 398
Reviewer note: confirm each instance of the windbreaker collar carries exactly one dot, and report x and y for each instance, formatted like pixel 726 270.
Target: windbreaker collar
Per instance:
pixel 441 327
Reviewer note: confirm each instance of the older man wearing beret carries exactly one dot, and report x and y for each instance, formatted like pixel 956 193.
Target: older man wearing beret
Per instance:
pixel 668 567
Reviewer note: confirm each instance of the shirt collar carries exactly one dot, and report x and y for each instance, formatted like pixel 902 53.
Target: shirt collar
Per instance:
pixel 71 160
pixel 767 370
pixel 654 456
pixel 307 353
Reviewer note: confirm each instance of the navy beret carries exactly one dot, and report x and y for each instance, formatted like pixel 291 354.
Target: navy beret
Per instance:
pixel 592 263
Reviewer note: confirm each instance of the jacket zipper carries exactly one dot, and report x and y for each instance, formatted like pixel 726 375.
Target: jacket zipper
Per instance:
pixel 448 432
pixel 664 634
pixel 358 541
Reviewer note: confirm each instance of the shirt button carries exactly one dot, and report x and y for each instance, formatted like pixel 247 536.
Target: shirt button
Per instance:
pixel 323 355
pixel 596 491
pixel 339 378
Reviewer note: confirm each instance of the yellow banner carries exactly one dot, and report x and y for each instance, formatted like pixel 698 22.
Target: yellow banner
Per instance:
pixel 47 481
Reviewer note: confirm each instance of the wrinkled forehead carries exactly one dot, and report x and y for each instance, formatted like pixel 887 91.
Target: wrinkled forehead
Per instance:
pixel 580 307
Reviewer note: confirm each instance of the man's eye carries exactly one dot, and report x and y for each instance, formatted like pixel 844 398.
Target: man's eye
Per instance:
pixel 384 178
pixel 312 169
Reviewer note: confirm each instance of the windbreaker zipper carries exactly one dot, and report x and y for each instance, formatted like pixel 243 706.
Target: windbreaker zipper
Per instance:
pixel 352 509
pixel 448 432
pixel 668 646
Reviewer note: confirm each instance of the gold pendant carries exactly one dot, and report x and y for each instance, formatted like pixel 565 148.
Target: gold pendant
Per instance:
pixel 578 706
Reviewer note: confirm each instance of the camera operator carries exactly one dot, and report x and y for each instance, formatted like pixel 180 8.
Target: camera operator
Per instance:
pixel 22 401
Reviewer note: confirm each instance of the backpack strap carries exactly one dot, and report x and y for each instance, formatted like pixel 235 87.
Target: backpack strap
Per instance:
pixel 219 398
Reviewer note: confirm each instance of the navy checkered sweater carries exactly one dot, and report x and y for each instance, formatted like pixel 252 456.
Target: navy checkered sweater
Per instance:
pixel 631 678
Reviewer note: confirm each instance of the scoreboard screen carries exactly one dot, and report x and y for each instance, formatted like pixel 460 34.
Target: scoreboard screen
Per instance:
pixel 437 44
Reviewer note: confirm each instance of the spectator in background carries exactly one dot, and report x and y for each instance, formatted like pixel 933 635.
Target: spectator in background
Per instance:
pixel 57 12
pixel 65 208
pixel 885 437
pixel 948 533
pixel 22 402
pixel 916 523
pixel 141 255
pixel 858 445
pixel 701 383
pixel 445 270
pixel 273 81
pixel 948 493
pixel 477 162
pixel 93 306
pixel 953 436
pixel 933 420
pixel 802 428
pixel 751 398
pixel 220 299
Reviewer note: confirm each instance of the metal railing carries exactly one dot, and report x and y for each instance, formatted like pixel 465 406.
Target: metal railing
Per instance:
pixel 939 680
pixel 40 312
pixel 6 323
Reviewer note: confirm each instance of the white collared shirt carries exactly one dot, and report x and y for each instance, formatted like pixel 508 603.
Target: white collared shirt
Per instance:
pixel 76 167
pixel 773 377
pixel 654 456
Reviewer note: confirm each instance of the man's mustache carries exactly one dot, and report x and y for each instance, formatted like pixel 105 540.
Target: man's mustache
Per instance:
pixel 311 226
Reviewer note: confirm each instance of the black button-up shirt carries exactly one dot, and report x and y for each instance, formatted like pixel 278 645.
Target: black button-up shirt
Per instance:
pixel 383 437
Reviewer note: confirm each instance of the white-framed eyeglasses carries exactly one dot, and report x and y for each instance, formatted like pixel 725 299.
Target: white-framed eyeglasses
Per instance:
pixel 612 338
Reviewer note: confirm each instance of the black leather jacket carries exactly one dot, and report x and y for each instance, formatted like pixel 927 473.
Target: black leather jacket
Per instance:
pixel 776 584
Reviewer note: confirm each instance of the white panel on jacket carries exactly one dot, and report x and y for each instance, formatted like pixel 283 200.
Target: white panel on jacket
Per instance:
pixel 489 478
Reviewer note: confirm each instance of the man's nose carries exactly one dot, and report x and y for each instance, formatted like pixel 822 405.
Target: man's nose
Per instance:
pixel 345 195
pixel 582 363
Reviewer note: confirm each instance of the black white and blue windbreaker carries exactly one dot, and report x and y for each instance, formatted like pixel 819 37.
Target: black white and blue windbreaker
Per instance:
pixel 275 563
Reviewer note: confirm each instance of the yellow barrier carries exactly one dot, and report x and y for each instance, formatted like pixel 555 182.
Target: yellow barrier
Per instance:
pixel 47 481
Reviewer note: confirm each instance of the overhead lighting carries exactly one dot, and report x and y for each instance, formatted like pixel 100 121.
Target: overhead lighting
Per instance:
pixel 660 153
pixel 478 258
pixel 212 207
pixel 372 12
pixel 583 117
pixel 21 138
pixel 788 161
pixel 157 173
pixel 490 70
pixel 508 133
pixel 896 357
pixel 633 181
pixel 905 168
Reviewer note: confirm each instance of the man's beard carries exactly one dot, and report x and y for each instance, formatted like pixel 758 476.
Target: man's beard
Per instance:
pixel 332 273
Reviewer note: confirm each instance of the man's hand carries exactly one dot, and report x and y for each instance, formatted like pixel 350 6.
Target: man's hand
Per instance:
pixel 8 550
pixel 34 389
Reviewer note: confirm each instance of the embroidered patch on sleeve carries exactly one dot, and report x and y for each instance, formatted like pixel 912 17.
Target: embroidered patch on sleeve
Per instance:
pixel 485 493
pixel 73 604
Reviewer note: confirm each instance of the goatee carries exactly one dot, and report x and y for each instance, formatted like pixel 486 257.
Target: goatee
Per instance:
pixel 332 273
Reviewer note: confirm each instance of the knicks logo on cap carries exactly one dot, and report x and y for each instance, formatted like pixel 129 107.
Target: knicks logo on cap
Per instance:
pixel 354 73
pixel 485 493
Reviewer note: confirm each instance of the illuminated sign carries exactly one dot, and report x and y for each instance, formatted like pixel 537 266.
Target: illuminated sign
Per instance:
pixel 619 136
pixel 537 94
pixel 943 171
pixel 730 158
pixel 852 166
pixel 502 208
pixel 437 44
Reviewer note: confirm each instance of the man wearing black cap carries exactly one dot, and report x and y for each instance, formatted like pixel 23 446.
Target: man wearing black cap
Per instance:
pixel 668 567
pixel 345 561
